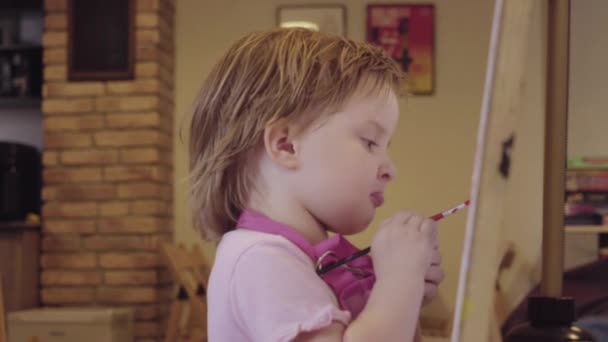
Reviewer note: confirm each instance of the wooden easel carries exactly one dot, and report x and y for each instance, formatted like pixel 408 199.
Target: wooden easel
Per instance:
pixel 476 318
pixel 501 106
pixel 190 271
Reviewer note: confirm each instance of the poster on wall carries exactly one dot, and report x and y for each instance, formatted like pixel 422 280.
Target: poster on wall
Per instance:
pixel 406 32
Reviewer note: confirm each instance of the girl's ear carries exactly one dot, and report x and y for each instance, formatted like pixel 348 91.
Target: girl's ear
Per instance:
pixel 280 145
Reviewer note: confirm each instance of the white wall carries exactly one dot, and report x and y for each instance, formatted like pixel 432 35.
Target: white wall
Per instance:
pixel 588 121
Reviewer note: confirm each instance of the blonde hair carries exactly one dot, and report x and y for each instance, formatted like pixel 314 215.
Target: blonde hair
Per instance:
pixel 266 76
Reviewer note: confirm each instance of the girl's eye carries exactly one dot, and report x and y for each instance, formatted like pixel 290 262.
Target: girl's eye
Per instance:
pixel 370 144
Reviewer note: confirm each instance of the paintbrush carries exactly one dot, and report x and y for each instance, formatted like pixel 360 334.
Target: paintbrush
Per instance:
pixel 338 263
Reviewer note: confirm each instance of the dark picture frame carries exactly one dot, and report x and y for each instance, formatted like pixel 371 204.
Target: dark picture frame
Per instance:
pixel 101 40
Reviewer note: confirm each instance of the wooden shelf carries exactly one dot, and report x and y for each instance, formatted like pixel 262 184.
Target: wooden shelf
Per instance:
pixel 19 47
pixel 586 229
pixel 18 225
pixel 20 102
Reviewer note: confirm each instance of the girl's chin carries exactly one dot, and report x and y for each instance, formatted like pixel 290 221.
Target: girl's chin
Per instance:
pixel 355 227
pixel 350 222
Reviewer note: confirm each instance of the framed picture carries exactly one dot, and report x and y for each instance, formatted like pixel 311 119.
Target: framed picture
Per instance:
pixel 324 18
pixel 101 39
pixel 406 32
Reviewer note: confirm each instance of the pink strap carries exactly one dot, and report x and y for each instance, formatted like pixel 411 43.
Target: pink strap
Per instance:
pixel 256 221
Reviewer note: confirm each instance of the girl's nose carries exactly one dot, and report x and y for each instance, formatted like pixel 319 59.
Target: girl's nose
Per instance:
pixel 387 171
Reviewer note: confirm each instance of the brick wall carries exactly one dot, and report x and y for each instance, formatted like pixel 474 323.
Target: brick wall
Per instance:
pixel 108 174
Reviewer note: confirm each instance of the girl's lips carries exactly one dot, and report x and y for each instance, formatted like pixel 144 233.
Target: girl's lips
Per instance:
pixel 377 199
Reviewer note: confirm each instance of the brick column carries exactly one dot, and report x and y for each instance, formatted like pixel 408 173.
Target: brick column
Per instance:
pixel 108 174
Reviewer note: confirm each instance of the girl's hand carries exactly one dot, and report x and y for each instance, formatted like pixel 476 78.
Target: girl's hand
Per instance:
pixel 404 248
pixel 433 277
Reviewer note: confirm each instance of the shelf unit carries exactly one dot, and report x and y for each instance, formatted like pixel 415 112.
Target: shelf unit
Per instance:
pixel 588 167
pixel 21 23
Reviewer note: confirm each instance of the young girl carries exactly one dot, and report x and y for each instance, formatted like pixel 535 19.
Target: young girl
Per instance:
pixel 288 142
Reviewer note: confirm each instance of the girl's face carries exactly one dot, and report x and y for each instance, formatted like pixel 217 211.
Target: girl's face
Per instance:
pixel 344 164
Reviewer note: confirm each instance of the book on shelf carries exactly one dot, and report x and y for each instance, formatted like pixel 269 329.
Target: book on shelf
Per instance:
pixel 587 163
pixel 574 208
pixel 586 197
pixel 585 219
pixel 587 180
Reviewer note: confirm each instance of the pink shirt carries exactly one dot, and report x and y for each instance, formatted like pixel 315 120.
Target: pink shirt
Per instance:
pixel 264 288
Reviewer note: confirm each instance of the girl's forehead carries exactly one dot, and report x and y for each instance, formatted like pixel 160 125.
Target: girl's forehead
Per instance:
pixel 370 105
pixel 361 108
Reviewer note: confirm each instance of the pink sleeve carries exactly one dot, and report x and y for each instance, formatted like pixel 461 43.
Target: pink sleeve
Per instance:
pixel 275 294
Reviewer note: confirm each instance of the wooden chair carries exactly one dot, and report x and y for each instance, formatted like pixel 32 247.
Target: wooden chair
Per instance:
pixel 3 337
pixel 188 314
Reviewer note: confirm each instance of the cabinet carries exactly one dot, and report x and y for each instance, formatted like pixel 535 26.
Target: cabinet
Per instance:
pixel 20 265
